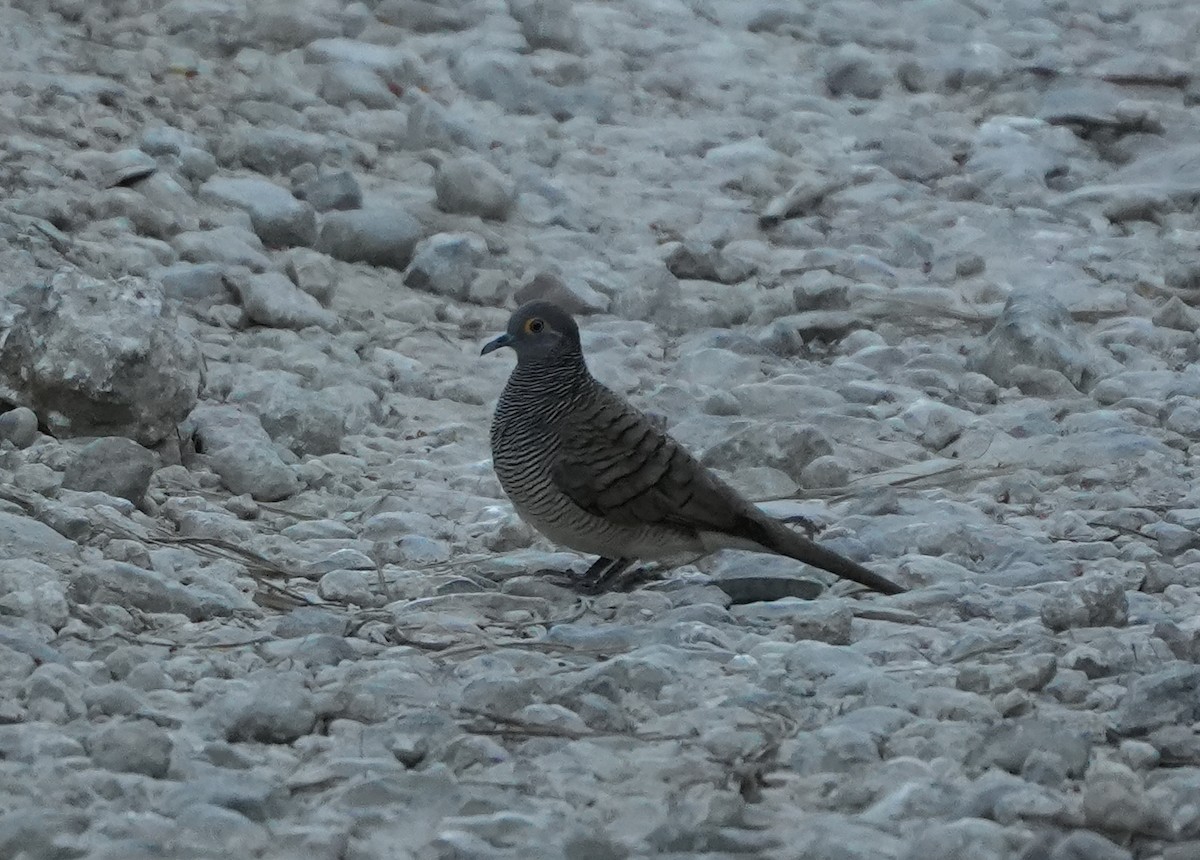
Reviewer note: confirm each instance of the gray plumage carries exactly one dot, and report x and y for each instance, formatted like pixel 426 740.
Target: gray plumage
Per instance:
pixel 591 472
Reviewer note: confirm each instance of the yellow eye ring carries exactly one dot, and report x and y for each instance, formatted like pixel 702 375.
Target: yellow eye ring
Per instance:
pixel 534 326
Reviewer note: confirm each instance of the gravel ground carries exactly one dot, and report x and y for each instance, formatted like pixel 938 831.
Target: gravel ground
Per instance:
pixel 925 273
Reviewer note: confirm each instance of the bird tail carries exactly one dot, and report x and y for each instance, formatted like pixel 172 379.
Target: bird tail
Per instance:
pixel 777 537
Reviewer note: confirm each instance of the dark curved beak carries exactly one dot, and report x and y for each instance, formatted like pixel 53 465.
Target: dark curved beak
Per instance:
pixel 493 345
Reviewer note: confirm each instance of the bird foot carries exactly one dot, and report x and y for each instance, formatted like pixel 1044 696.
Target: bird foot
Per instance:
pixel 605 575
pixel 811 528
pixel 609 578
pixel 562 578
pixel 639 576
pixel 622 579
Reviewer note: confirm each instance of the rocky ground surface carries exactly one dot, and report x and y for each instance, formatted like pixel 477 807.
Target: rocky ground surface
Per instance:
pixel 926 273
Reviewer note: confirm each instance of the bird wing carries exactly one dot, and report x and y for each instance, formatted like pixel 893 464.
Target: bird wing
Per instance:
pixel 615 463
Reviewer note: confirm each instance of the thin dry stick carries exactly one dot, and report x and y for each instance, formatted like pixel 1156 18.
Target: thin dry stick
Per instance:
pixel 514 726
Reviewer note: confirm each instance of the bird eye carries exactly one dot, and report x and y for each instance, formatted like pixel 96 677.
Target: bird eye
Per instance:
pixel 534 326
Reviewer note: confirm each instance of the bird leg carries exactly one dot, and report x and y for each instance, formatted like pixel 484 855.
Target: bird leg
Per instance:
pixel 602 574
pixel 810 527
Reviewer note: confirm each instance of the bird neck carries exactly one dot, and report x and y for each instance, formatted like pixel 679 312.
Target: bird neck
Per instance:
pixel 561 373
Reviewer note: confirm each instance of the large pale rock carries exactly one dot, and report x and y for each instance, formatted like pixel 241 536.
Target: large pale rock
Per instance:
pixel 241 452
pixel 470 185
pixel 114 465
pixel 1035 329
pixel 384 236
pixel 445 263
pixel 271 299
pixel 100 358
pixel 277 217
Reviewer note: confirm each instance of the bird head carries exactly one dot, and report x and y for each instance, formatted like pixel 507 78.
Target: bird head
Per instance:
pixel 538 331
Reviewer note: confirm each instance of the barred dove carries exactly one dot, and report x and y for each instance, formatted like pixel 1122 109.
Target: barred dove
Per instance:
pixel 591 472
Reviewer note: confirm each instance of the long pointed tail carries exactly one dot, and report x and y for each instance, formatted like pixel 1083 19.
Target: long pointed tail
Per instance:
pixel 777 537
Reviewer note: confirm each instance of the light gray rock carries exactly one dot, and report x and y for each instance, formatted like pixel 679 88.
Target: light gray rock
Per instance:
pixel 113 465
pixel 377 236
pixel 168 140
pixel 909 155
pixel 292 27
pixel 37 478
pixel 703 262
pixel 1184 419
pixel 133 746
pixel 278 218
pixel 320 530
pixel 271 151
pixel 432 126
pixel 820 290
pixel 830 624
pixel 1086 845
pixel 241 452
pixel 1035 329
pixel 373 131
pixel 717 367
pixel 471 185
pixel 1176 315
pixel 834 749
pixel 1162 698
pixel 1040 382
pixel 935 425
pixel 817 326
pixel 114 699
pixel 548 24
pixel 306 421
pixel 784 20
pixel 146 217
pixel 802 198
pixel 346 83
pixel 571 292
pixel 311 621
pixel 314 273
pixel 825 472
pixel 1093 601
pixel 277 710
pixel 271 299
pixel 1009 745
pixel 853 71
pixel 255 797
pixel 501 77
pixel 317 650
pixel 329 191
pixel 53 693
pixel 228 246
pixel 17 665
pixel 1114 800
pixel 156 206
pixel 445 264
pixel 98 358
pixel 419 549
pixel 422 16
pixel 985 840
pixel 351 588
pixel 400 68
pixel 197 164
pixel 123 584
pixel 198 284
pixel 19 426
pixel 32 590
